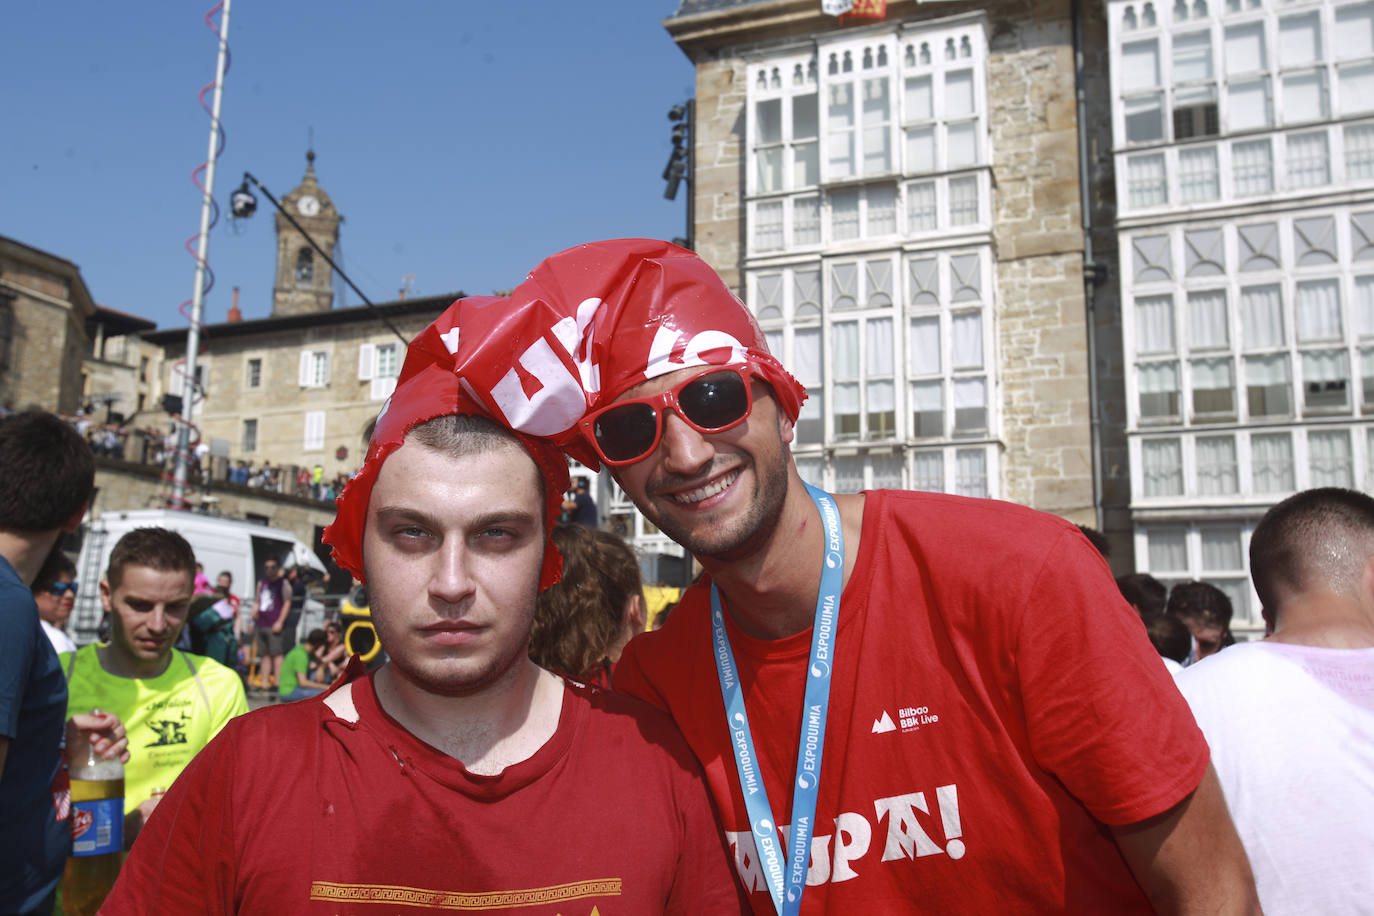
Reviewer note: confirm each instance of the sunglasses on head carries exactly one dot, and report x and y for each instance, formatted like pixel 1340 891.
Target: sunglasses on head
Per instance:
pixel 61 588
pixel 710 402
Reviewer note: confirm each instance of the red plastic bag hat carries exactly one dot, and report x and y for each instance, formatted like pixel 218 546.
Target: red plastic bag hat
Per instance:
pixel 587 324
pixel 628 310
pixel 434 382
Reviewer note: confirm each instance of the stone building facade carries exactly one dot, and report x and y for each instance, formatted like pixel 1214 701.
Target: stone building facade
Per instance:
pixel 1244 147
pixel 901 203
pixel 299 389
pixel 303 386
pixel 119 376
pixel 44 307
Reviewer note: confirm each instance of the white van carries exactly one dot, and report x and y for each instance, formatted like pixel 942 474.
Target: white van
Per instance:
pixel 220 544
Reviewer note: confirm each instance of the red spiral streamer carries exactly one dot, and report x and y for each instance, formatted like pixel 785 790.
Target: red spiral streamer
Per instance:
pixel 192 389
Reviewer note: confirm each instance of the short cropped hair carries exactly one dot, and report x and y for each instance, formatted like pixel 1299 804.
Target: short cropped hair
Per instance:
pixel 580 617
pixel 460 435
pixel 1170 636
pixel 57 565
pixel 1200 601
pixel 1098 540
pixel 48 470
pixel 1316 538
pixel 1148 594
pixel 155 548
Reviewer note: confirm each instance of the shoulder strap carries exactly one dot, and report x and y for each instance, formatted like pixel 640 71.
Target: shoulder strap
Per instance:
pixel 71 664
pixel 199 685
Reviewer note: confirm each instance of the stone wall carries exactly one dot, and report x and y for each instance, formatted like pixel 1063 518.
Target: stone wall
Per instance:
pixel 119 372
pixel 1042 309
pixel 279 403
pixel 720 163
pixel 48 339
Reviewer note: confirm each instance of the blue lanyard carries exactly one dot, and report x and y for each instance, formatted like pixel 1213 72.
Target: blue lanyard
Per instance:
pixel 787 881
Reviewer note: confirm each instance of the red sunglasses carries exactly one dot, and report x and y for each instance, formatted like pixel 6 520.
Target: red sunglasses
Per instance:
pixel 711 401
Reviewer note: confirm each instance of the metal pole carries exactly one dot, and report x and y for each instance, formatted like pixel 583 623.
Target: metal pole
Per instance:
pixel 207 204
pixel 1091 277
pixel 691 183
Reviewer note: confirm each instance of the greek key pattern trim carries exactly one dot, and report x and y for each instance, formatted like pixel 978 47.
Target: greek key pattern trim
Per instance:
pixel 398 895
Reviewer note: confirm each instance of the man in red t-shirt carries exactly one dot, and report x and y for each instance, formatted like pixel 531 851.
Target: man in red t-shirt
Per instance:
pixel 459 775
pixel 902 701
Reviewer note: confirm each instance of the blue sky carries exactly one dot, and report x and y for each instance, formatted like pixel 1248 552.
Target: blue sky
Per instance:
pixel 462 141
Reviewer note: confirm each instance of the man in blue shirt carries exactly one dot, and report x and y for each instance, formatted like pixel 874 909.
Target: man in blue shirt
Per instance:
pixel 48 473
pixel 580 508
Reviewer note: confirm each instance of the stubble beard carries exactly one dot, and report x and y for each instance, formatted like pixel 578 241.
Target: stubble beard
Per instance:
pixel 742 536
pixel 456 677
pixel 452 676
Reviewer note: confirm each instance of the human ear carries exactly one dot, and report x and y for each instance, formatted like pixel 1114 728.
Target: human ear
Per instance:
pixel 73 523
pixel 634 613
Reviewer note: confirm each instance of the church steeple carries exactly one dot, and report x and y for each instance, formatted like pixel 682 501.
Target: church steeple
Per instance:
pixel 304 281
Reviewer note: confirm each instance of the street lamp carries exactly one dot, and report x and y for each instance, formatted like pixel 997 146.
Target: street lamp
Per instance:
pixel 242 204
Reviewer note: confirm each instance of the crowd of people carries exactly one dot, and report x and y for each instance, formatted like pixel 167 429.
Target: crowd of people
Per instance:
pixel 1185 623
pixel 880 702
pixel 155 445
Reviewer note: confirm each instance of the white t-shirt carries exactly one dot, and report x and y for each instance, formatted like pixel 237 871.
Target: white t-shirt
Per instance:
pixel 1292 736
pixel 61 642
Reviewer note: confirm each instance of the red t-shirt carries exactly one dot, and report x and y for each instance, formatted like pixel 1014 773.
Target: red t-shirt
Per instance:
pixel 992 700
pixel 294 810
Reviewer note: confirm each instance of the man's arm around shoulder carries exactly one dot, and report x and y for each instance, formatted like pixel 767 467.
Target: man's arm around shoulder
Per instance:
pixel 1189 859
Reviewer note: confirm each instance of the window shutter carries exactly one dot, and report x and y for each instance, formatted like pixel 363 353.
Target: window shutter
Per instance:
pixel 314 430
pixel 305 369
pixel 382 388
pixel 367 362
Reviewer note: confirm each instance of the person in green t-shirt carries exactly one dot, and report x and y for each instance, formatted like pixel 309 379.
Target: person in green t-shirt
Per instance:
pixel 172 702
pixel 295 670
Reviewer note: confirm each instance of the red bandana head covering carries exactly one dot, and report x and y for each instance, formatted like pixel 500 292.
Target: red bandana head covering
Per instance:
pixel 435 382
pixel 587 324
pixel 629 310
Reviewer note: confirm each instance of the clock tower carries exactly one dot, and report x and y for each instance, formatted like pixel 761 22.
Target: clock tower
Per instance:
pixel 305 282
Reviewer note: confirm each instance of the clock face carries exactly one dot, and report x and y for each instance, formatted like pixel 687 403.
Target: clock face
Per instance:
pixel 308 205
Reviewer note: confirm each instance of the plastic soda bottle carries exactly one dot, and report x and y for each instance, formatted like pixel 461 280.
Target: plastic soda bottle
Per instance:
pixel 97 820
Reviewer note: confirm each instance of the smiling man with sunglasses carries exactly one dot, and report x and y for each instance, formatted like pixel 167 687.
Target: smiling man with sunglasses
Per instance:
pixel 902 700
